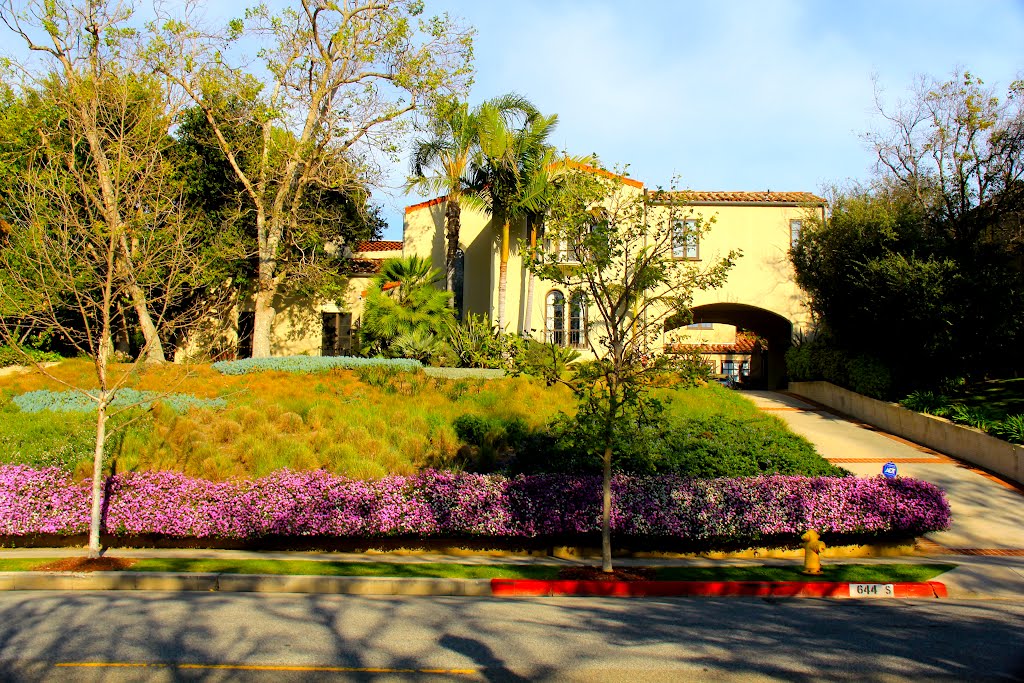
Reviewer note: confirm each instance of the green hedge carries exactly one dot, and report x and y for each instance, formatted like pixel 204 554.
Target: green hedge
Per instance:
pixel 10 356
pixel 310 364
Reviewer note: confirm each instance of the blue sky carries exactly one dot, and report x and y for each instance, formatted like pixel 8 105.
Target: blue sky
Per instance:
pixel 727 95
pixel 724 94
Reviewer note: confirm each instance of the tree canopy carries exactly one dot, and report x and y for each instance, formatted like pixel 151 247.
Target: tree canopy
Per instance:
pixel 922 271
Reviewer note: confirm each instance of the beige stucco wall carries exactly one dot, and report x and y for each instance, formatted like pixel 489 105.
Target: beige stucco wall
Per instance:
pixel 763 276
pixel 297 329
pixel 966 443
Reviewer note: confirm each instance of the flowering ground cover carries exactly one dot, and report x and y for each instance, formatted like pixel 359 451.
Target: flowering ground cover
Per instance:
pixel 712 513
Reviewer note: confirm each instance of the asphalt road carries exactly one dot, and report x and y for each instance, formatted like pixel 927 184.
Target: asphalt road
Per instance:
pixel 279 637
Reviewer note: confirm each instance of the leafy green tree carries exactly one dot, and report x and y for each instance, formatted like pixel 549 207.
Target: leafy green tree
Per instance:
pixel 405 313
pixel 335 85
pixel 633 284
pixel 921 271
pixel 312 263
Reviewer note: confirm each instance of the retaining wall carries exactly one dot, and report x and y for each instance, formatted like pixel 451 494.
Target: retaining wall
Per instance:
pixel 965 443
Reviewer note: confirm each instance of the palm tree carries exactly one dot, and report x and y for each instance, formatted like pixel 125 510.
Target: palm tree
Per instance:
pixel 440 165
pixel 404 309
pixel 506 154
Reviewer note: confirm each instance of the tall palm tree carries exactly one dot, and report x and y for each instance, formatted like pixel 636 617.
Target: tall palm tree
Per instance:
pixel 440 165
pixel 508 147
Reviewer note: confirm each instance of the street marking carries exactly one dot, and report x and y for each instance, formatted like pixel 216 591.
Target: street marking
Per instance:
pixel 265 667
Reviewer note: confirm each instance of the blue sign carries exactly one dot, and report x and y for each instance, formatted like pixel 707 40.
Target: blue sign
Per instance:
pixel 889 470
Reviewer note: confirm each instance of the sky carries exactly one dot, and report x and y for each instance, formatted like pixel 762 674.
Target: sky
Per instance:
pixel 717 94
pixel 726 95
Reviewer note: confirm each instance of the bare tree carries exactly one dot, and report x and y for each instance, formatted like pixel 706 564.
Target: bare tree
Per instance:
pixel 958 150
pixel 85 46
pixel 97 223
pixel 337 81
pixel 626 265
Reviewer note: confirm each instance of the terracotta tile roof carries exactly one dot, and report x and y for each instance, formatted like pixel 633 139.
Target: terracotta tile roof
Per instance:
pixel 363 266
pixel 430 202
pixel 742 345
pixel 378 245
pixel 626 180
pixel 767 197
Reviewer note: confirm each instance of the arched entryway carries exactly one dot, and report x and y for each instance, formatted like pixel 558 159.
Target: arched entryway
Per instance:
pixel 772 331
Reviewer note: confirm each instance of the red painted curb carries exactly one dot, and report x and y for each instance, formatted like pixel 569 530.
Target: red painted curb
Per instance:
pixel 636 589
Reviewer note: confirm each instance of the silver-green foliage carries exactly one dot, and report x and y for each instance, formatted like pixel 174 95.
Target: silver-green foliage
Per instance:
pixel 309 364
pixel 76 402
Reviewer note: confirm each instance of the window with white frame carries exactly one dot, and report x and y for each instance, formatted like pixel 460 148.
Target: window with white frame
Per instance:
pixel 554 319
pixel 795 227
pixel 685 240
pixel 578 320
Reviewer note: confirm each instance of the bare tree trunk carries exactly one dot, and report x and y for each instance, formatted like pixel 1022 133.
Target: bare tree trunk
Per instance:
pixel 503 276
pixel 154 349
pixel 263 322
pixel 97 473
pixel 606 512
pixel 606 498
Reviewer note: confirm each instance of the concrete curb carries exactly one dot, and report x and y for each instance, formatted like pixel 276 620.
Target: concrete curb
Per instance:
pixel 352 585
pixel 241 583
pixel 774 589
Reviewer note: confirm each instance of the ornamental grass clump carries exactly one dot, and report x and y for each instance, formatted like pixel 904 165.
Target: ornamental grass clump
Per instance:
pixel 708 514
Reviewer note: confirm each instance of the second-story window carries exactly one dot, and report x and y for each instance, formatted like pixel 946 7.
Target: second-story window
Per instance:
pixel 794 232
pixel 578 320
pixel 685 240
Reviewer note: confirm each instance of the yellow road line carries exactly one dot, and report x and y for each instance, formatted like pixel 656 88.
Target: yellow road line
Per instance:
pixel 268 667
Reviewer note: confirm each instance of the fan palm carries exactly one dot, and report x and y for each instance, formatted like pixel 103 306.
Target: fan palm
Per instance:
pixel 402 303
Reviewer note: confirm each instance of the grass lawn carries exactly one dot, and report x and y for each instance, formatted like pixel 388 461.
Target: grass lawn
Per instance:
pixel 1002 397
pixel 857 573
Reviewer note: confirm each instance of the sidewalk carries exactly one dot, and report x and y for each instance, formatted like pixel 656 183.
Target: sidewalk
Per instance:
pixel 987 535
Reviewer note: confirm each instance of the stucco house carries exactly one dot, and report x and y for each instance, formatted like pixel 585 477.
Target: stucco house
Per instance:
pixel 742 329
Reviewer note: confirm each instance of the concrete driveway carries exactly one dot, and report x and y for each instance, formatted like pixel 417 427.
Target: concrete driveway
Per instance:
pixel 988 514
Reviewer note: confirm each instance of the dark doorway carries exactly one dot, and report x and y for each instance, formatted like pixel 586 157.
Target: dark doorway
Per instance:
pixel 246 326
pixel 337 336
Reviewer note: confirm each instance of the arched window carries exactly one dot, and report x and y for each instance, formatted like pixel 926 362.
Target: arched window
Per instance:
pixel 578 319
pixel 554 320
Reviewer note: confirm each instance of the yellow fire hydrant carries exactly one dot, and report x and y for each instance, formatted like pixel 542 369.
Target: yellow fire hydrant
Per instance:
pixel 812 550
